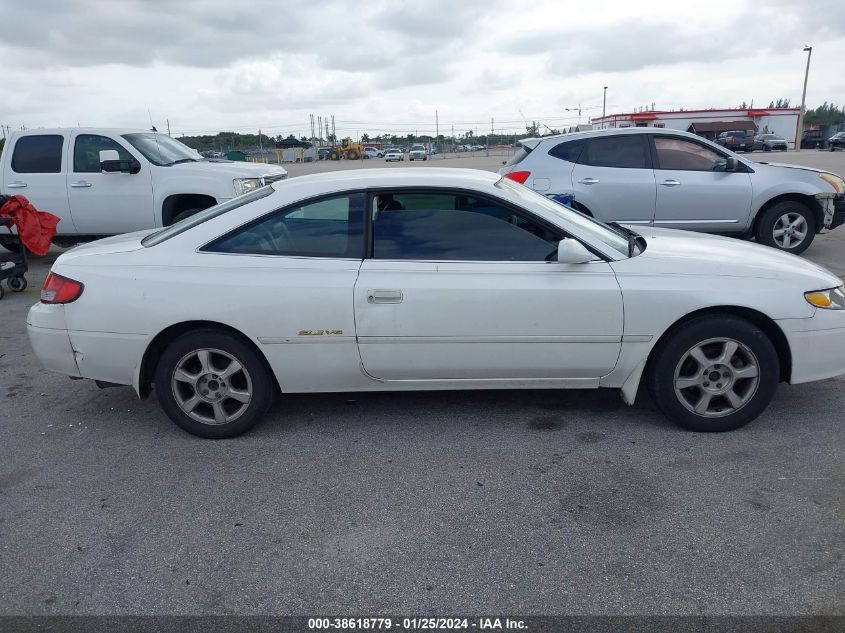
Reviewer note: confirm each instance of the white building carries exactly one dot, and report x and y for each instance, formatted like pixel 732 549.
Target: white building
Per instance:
pixel 709 123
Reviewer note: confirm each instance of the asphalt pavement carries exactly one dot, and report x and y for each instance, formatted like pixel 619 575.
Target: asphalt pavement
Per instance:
pixel 532 502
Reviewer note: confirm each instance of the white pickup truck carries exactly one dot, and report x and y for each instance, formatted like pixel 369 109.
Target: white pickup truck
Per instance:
pixel 104 181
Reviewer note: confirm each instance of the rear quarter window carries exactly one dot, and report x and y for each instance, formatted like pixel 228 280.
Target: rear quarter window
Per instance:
pixel 570 151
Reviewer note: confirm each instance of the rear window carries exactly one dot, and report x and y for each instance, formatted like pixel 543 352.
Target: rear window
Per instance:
pixel 38 154
pixel 518 156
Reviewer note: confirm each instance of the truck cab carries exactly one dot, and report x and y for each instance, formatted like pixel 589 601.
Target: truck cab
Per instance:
pixel 163 181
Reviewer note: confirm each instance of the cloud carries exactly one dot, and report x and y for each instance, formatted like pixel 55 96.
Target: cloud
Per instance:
pixel 389 64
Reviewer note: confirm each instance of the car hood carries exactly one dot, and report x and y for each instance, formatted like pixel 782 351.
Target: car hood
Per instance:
pixel 686 252
pixel 786 166
pixel 232 169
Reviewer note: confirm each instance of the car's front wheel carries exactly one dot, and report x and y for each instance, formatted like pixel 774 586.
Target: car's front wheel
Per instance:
pixel 714 373
pixel 789 226
pixel 213 384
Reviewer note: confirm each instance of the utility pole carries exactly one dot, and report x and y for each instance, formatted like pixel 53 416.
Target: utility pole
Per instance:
pixel 490 140
pixel 603 106
pixel 799 131
pixel 168 126
pixel 437 130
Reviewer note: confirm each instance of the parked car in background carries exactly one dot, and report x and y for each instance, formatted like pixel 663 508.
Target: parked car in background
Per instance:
pixel 109 181
pixel 679 180
pixel 737 140
pixel 393 154
pixel 372 152
pixel 389 280
pixel 769 142
pixel 837 141
pixel 418 152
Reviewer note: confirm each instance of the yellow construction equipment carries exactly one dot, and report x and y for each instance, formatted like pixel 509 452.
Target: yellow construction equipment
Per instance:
pixel 348 150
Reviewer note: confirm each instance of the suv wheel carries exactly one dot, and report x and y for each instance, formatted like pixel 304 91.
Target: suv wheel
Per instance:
pixel 716 373
pixel 789 226
pixel 213 385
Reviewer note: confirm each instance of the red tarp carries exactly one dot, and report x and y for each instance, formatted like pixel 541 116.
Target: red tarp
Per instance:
pixel 36 229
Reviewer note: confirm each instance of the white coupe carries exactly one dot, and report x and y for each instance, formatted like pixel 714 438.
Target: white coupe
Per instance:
pixel 432 279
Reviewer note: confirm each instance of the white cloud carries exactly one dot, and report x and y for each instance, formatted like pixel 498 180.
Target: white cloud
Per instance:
pixel 388 65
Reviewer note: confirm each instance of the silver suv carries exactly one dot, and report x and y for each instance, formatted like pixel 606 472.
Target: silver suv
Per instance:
pixel 679 180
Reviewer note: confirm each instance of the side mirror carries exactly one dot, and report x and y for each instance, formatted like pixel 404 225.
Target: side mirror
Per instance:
pixel 570 251
pixel 730 163
pixel 112 163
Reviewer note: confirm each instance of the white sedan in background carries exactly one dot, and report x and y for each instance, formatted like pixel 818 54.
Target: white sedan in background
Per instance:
pixel 393 154
pixel 432 279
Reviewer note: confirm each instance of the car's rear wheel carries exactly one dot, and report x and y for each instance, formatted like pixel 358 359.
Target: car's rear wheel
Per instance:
pixel 789 226
pixel 714 373
pixel 212 384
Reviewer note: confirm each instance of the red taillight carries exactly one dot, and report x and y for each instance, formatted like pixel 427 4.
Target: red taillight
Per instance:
pixel 58 289
pixel 518 176
pixel 731 140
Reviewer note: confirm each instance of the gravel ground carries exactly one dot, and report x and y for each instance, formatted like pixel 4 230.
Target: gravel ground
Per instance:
pixel 530 502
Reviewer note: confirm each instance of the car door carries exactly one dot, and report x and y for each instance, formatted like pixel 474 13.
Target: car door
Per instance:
pixel 614 179
pixel 107 203
pixel 693 189
pixel 37 170
pixel 287 279
pixel 459 288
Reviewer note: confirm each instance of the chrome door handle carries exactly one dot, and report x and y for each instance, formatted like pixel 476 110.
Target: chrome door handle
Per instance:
pixel 670 183
pixel 588 181
pixel 16 185
pixel 80 183
pixel 384 296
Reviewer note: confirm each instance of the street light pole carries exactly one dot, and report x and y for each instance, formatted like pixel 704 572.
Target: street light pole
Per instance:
pixel 799 132
pixel 603 104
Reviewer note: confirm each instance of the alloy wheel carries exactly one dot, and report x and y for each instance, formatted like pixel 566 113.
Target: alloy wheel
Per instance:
pixel 790 230
pixel 717 377
pixel 211 386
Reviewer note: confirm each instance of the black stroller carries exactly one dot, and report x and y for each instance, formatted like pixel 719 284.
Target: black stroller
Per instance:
pixel 12 269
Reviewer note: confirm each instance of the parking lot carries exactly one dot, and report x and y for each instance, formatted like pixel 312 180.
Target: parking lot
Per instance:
pixel 532 502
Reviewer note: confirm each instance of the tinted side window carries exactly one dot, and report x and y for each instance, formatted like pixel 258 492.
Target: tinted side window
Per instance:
pixel 616 151
pixel 331 227
pixel 440 226
pixel 40 154
pixel 569 151
pixel 676 153
pixel 86 152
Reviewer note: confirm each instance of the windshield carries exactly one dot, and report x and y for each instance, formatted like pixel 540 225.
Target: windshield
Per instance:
pixel 416 148
pixel 596 229
pixel 204 216
pixel 161 149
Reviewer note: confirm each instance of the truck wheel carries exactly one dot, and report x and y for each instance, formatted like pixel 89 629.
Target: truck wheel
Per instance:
pixel 789 226
pixel 184 214
pixel 716 373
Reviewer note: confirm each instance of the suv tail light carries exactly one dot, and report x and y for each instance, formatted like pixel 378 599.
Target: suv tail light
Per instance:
pixel 731 140
pixel 518 176
pixel 59 289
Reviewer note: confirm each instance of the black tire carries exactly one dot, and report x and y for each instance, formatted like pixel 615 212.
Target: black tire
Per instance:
pixel 764 232
pixel 2 292
pixel 662 366
pixel 255 379
pixel 184 214
pixel 17 283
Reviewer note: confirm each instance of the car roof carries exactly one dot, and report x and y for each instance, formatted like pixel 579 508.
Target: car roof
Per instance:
pixel 571 136
pixel 92 130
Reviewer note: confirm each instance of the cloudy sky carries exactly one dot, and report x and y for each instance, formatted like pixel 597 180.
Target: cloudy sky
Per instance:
pixel 387 66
